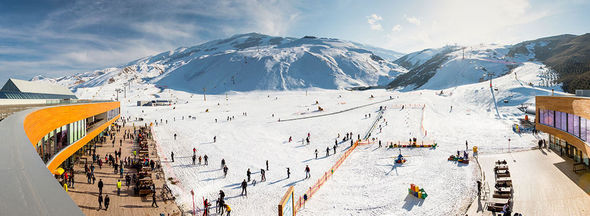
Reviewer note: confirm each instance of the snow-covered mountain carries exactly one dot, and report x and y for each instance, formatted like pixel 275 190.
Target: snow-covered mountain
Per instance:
pixel 453 66
pixel 253 61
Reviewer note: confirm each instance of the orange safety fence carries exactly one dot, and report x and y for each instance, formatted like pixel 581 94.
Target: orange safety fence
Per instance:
pixel 313 189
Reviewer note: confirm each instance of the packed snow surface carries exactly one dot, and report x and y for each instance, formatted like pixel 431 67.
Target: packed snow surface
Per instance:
pixel 368 182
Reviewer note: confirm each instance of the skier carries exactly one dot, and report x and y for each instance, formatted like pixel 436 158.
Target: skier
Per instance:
pixel 466 145
pixel 244 185
pixel 316 153
pixel 194 158
pixel 224 171
pixel 200 158
pixel 379 143
pixel 172 156
pixel 267 165
pixel 248 173
pixel 206 162
pixel 174 134
pixel 194 151
pixel 214 138
pixel 327 151
pixel 290 138
pixel 222 163
pixel 262 175
pixel 288 172
pixel 307 174
pixel 334 149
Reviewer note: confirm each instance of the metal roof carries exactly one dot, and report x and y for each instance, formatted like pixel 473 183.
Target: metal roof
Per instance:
pixel 28 187
pixel 22 86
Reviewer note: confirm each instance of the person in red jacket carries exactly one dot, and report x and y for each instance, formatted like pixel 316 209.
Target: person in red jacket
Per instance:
pixel 206 205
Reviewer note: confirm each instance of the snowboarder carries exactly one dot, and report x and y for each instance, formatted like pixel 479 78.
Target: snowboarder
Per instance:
pixel 288 172
pixel 244 185
pixel 307 174
pixel 224 171
pixel 172 156
pixel 316 153
pixel 248 173
pixel 206 162
pixel 262 175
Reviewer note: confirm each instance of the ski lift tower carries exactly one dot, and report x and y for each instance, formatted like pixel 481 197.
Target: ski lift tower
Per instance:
pixel 491 76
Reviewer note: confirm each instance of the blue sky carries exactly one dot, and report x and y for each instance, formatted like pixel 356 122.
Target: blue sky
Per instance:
pixel 59 37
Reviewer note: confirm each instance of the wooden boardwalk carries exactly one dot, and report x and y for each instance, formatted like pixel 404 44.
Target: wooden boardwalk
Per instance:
pixel 544 184
pixel 86 195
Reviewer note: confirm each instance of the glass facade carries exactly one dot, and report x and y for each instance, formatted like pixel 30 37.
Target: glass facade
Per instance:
pixel 61 137
pixel 570 123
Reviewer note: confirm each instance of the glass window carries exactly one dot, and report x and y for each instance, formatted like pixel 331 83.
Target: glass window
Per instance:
pixel 550 118
pixel 583 134
pixel 558 119
pixel 576 125
pixel 564 121
pixel 542 116
pixel 570 123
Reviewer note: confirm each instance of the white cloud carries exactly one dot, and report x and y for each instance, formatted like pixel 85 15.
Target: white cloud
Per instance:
pixel 413 20
pixel 373 21
pixel 396 28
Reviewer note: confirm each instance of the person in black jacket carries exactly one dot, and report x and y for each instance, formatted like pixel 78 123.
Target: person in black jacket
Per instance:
pixel 99 202
pixel 244 185
pixel 100 185
pixel 107 200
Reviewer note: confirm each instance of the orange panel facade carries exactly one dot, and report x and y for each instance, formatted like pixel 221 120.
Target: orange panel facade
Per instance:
pixel 41 122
